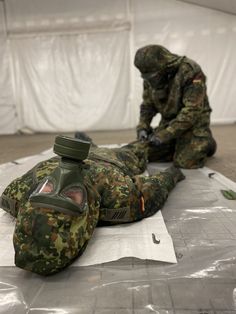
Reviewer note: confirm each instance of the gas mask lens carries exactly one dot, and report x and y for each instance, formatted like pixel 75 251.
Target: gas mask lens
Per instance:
pixel 71 199
pixel 64 190
pixel 75 194
pixel 46 187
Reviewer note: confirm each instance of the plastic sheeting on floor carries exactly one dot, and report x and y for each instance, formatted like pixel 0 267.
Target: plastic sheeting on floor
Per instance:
pixel 202 225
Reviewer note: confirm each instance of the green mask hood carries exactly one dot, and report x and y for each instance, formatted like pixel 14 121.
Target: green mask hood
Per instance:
pixel 155 58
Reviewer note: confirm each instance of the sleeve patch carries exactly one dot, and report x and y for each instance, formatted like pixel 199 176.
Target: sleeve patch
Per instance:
pixel 195 81
pixel 198 79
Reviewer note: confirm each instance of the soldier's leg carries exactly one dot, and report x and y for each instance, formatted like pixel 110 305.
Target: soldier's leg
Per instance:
pixel 139 153
pixel 155 189
pixel 191 151
pixel 145 152
pixel 134 155
pixel 212 145
pixel 162 153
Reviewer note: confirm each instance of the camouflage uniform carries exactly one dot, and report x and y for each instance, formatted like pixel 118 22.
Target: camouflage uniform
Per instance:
pixel 175 87
pixel 47 240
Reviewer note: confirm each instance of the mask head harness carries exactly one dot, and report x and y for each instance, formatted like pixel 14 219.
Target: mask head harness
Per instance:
pixel 64 190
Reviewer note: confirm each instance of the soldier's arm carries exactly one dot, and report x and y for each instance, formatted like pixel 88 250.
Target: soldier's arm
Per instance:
pixel 147 109
pixel 156 188
pixel 193 98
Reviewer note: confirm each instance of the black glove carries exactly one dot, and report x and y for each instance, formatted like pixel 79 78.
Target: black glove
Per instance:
pixel 154 140
pixel 142 135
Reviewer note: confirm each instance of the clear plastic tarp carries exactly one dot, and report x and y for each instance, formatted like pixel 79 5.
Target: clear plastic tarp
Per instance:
pixel 202 225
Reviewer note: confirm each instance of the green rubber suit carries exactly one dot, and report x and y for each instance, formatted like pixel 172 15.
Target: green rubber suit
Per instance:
pixel 174 87
pixel 46 240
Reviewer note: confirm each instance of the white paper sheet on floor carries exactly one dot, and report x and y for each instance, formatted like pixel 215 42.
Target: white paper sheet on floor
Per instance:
pixel 147 239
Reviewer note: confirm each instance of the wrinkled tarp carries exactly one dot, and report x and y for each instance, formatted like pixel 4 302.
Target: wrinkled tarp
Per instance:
pixel 202 225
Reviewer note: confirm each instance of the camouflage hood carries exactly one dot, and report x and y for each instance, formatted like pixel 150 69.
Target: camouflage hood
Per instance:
pixel 153 58
pixel 47 239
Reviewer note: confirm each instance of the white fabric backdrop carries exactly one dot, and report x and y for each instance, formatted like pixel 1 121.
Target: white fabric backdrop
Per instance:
pixel 205 35
pixel 72 61
pixel 66 83
pixel 7 107
pixel 24 16
pixel 228 6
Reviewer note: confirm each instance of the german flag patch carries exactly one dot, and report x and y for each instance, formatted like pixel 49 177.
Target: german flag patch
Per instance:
pixel 142 206
pixel 197 79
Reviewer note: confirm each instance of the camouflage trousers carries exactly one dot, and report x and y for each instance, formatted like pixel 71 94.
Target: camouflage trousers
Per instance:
pixel 189 151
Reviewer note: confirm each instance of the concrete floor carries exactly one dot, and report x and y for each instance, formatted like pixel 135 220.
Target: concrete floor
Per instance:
pixel 17 146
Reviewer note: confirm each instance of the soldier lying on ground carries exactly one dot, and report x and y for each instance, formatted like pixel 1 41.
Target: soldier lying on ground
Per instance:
pixel 175 87
pixel 59 202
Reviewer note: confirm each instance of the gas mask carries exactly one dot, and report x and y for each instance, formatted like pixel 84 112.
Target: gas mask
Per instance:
pixel 157 65
pixel 64 190
pixel 157 80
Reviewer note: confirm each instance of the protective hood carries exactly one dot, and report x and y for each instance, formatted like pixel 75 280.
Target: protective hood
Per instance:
pixel 56 222
pixel 155 58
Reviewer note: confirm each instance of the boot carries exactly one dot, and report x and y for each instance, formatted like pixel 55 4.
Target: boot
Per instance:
pixel 84 137
pixel 212 147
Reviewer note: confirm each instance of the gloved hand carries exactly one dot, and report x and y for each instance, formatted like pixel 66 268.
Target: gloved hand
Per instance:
pixel 154 140
pixel 142 135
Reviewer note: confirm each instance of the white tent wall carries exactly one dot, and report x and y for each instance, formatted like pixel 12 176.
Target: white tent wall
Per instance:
pixel 66 83
pixel 7 107
pixel 205 35
pixel 71 64
pixel 72 60
pixel 228 6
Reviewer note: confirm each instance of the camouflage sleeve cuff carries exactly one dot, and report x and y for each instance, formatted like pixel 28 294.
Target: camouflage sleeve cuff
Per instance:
pixel 165 135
